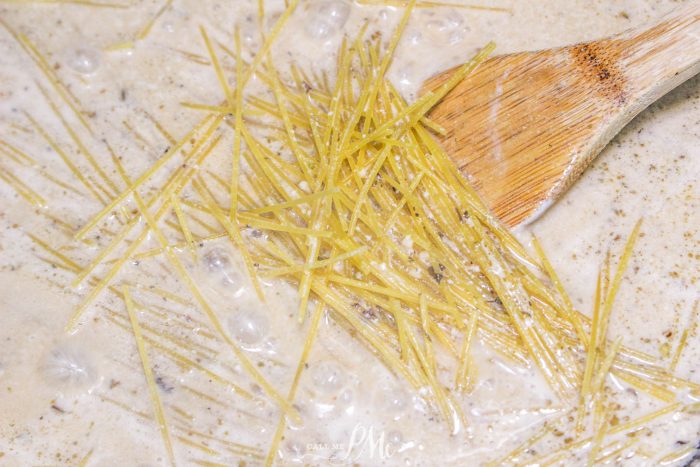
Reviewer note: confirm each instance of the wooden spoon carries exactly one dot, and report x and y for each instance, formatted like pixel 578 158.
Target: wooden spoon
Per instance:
pixel 524 126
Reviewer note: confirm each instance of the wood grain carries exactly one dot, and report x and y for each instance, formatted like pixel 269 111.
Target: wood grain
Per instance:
pixel 523 127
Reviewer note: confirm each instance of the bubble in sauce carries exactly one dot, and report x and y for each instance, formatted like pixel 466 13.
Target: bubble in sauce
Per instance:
pixel 328 377
pixel 346 397
pixel 445 28
pixel 414 37
pixel 394 402
pixel 249 328
pixel 405 78
pixel 325 18
pixel 69 366
pixel 84 60
pixel 219 262
pixel 250 34
pixel 395 438
pixel 294 449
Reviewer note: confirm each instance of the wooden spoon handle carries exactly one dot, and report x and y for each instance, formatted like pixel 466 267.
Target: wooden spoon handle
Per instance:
pixel 623 74
pixel 659 58
pixel 524 126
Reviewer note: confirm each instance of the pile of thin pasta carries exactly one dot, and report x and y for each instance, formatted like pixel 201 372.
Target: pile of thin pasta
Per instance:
pixel 336 184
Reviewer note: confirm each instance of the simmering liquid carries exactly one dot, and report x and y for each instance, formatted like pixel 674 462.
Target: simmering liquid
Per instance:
pixel 69 397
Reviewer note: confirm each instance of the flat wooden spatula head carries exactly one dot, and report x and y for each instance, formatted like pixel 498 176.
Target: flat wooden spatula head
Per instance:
pixel 523 127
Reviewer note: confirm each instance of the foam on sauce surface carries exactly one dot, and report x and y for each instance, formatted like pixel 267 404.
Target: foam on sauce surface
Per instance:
pixel 64 396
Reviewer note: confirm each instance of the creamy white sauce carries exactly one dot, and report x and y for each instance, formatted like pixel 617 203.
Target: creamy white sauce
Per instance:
pixel 62 396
